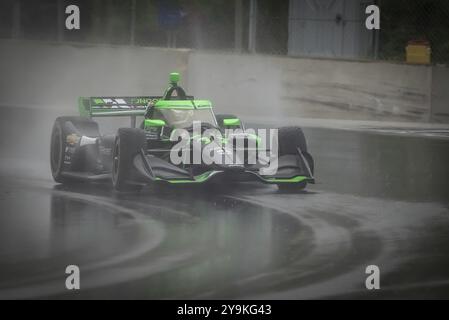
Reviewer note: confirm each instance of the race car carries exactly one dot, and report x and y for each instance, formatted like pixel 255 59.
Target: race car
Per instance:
pixel 165 133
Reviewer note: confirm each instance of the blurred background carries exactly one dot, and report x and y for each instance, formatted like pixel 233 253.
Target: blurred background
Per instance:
pixel 314 28
pixel 382 192
pixel 298 58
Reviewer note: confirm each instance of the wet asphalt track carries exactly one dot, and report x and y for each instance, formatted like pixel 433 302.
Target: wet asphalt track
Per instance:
pixel 380 199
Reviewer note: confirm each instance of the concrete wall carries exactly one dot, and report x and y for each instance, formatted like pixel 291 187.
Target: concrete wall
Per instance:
pixel 52 75
pixel 311 87
pixel 440 94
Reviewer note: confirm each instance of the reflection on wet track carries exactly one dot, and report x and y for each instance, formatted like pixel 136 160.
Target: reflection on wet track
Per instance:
pixel 379 200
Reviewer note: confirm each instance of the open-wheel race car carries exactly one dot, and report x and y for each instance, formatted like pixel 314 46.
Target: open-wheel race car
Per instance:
pixel 149 150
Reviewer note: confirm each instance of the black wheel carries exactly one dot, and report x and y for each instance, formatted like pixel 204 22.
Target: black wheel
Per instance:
pixel 290 140
pixel 57 147
pixel 128 143
pixel 62 128
pixel 221 117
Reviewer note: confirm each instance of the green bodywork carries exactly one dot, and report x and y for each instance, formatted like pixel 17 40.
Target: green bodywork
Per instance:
pixel 151 123
pixel 231 122
pixel 297 179
pixel 138 106
pixel 183 104
pixel 174 78
pixel 209 174
pixel 197 179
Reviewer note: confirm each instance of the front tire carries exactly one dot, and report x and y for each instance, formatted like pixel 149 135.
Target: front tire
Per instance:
pixel 290 139
pixel 128 143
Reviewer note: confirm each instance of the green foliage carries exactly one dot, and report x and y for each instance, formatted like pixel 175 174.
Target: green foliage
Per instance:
pixel 405 20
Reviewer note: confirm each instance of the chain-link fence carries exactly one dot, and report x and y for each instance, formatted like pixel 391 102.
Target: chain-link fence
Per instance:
pixel 406 20
pixel 261 26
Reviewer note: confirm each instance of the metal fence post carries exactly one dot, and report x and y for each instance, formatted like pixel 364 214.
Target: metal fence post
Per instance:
pixel 16 31
pixel 252 26
pixel 377 35
pixel 238 26
pixel 133 23
pixel 60 22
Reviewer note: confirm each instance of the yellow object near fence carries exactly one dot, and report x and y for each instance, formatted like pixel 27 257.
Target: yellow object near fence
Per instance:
pixel 418 52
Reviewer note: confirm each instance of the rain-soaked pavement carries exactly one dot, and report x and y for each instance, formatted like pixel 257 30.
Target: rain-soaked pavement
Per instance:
pixel 380 199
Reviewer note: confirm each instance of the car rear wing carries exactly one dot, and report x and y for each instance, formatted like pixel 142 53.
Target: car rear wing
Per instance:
pixel 115 106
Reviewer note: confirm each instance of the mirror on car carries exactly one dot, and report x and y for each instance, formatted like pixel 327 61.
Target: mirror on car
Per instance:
pixel 154 123
pixel 231 122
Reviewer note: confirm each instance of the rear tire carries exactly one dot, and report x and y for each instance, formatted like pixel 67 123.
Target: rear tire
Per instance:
pixel 128 143
pixel 63 127
pixel 290 140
